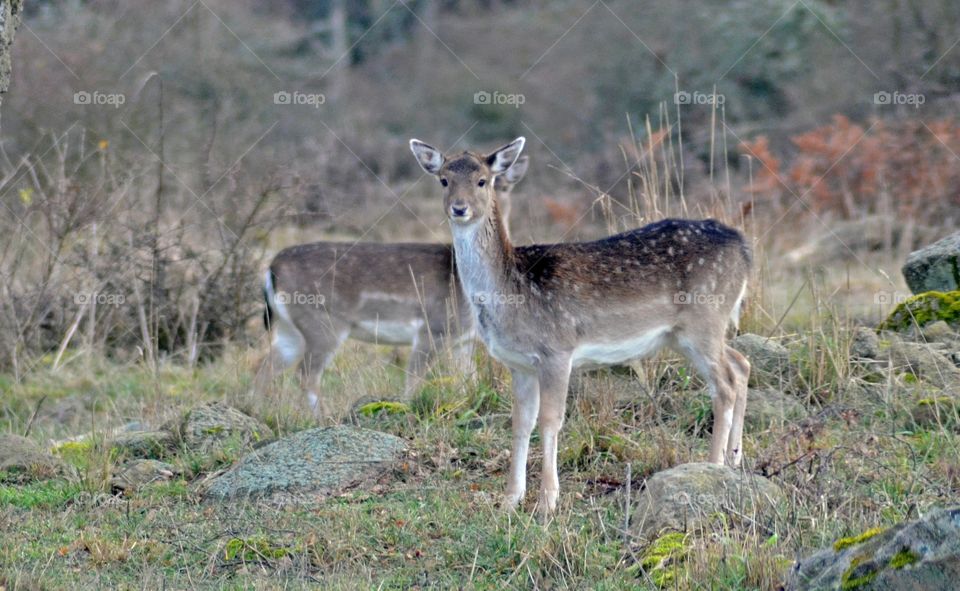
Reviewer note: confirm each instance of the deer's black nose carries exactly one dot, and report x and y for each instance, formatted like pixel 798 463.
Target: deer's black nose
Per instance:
pixel 458 211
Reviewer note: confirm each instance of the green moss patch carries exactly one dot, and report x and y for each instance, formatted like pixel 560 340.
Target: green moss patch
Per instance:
pixel 923 309
pixel 844 543
pixel 253 549
pixel 904 557
pixel 390 408
pixel 859 575
pixel 661 558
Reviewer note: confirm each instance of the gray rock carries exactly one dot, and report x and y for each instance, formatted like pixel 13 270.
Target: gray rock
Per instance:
pixel 940 332
pixel 926 362
pixel 923 554
pixel 769 360
pixel 686 498
pixel 210 427
pixel 865 343
pixel 770 408
pixel 309 465
pixel 935 267
pixel 139 473
pixel 23 460
pixel 143 444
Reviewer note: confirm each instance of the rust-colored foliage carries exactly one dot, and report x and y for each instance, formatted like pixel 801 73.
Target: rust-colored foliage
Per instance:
pixel 849 168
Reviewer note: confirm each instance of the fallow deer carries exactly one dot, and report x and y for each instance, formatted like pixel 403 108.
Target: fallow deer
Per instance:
pixel 320 294
pixel 544 310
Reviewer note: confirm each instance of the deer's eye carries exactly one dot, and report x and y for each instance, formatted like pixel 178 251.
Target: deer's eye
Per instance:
pixel 444 182
pixel 481 182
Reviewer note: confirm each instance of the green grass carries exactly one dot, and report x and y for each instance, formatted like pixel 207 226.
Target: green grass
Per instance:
pixel 38 495
pixel 439 524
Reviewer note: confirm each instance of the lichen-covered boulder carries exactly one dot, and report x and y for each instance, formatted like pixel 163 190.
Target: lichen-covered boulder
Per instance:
pixel 768 407
pixel 921 554
pixel 23 460
pixel 210 427
pixel 769 360
pixel 935 267
pixel 924 309
pixel 689 497
pixel 309 465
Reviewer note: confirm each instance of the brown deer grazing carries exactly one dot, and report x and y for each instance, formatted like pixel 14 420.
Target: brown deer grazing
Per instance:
pixel 320 294
pixel 544 310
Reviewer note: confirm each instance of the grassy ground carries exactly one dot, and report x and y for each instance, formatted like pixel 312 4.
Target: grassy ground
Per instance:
pixel 859 462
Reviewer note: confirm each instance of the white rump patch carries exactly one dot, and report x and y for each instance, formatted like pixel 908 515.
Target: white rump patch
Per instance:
pixel 287 339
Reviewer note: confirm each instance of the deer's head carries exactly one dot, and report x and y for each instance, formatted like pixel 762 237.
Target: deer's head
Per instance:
pixel 468 179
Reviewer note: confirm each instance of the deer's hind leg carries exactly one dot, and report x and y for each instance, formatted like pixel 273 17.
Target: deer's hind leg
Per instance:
pixel 705 350
pixel 319 350
pixel 740 368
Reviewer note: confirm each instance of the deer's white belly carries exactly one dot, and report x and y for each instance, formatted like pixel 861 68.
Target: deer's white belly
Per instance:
pixel 608 353
pixel 387 332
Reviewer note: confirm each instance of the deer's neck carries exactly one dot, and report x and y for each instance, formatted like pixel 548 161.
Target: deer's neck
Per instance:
pixel 484 257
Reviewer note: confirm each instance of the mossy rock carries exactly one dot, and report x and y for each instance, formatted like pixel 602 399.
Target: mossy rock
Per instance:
pixel 921 554
pixel 691 498
pixel 923 309
pixel 213 426
pixel 384 406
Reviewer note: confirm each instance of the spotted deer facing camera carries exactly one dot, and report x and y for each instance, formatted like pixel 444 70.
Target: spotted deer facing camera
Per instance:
pixel 544 310
pixel 322 293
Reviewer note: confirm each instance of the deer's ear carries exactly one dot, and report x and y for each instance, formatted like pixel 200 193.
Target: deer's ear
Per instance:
pixel 516 172
pixel 429 158
pixel 502 158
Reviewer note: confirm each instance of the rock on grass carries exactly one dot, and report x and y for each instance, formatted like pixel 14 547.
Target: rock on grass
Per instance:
pixel 23 460
pixel 921 554
pixel 209 427
pixel 309 465
pixel 935 267
pixel 689 497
